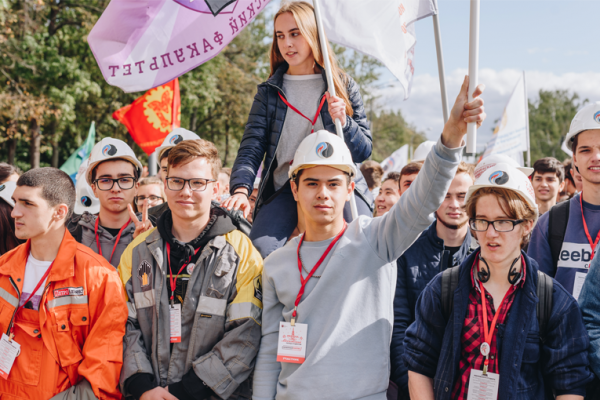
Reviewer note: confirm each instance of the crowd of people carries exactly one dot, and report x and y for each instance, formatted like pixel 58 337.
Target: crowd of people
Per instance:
pixel 456 281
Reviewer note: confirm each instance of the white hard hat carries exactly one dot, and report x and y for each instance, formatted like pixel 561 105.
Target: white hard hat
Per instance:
pixel 85 199
pixel 257 183
pixel 6 191
pixel 322 148
pixel 423 150
pixel 505 176
pixel 111 149
pixel 494 159
pixel 587 118
pixel 176 136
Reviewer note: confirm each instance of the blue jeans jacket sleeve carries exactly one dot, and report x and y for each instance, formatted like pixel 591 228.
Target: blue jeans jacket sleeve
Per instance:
pixel 402 319
pixel 539 246
pixel 589 300
pixel 424 337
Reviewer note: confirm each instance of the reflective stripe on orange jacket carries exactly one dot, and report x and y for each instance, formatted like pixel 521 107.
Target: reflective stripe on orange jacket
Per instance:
pixel 78 331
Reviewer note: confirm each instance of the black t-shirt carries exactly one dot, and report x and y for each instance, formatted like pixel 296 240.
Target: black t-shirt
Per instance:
pixel 452 251
pixel 113 231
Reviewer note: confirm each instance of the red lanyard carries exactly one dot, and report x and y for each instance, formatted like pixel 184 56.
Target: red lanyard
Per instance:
pixel 116 241
pixel 587 232
pixel 313 121
pixel 30 296
pixel 173 281
pixel 312 272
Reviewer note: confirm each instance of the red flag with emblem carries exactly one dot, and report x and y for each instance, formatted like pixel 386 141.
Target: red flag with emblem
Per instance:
pixel 150 118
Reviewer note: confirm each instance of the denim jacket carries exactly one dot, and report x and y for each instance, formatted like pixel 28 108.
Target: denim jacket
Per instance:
pixel 589 300
pixel 529 369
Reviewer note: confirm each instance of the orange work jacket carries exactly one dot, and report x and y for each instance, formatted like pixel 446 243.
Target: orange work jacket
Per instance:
pixel 77 332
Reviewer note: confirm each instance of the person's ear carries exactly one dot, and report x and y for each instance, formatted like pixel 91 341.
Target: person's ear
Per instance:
pixel 350 190
pixel 527 227
pixel 561 187
pixel 216 187
pixel 95 190
pixel 60 212
pixel 294 190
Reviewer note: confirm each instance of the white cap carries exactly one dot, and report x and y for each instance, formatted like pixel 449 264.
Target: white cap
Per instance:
pixel 322 148
pixel 85 199
pixel 494 159
pixel 587 118
pixel 111 149
pixel 505 176
pixel 176 136
pixel 422 151
pixel 6 191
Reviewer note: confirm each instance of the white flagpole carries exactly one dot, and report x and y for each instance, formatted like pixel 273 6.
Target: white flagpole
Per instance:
pixel 331 86
pixel 473 71
pixel 440 60
pixel 527 122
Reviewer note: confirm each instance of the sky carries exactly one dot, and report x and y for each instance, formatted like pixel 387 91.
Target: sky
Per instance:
pixel 554 42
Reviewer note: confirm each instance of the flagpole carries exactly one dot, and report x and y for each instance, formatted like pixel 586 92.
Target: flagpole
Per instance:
pixel 473 71
pixel 441 71
pixel 527 121
pixel 331 86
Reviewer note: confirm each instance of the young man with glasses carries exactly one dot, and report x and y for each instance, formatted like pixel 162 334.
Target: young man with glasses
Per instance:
pixel 113 174
pixel 195 295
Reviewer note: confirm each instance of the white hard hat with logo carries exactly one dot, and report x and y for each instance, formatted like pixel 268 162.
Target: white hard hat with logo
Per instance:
pixel 176 136
pixel 322 148
pixel 423 150
pixel 586 119
pixel 84 195
pixel 505 176
pixel 111 149
pixel 6 191
pixel 494 159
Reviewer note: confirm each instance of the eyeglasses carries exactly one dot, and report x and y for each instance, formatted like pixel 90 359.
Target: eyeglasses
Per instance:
pixel 196 184
pixel 124 183
pixel 503 225
pixel 139 200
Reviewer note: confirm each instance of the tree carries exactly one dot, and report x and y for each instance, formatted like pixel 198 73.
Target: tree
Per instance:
pixel 390 132
pixel 549 121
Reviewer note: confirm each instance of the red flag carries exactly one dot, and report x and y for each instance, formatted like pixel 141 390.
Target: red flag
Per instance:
pixel 151 117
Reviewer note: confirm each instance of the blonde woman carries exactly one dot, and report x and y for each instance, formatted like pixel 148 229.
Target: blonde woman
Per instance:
pixel 290 105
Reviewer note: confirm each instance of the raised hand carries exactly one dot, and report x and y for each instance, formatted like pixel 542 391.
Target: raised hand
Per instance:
pixel 239 201
pixel 158 393
pixel 143 225
pixel 337 108
pixel 462 113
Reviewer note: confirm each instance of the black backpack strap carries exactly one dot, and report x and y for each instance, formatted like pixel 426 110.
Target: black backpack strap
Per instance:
pixel 557 227
pixel 545 287
pixel 449 285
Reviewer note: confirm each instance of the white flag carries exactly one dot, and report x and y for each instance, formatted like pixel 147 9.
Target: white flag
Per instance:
pixel 510 136
pixel 382 29
pixel 396 161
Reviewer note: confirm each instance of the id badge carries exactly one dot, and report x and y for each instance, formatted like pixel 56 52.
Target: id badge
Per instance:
pixel 175 325
pixel 8 352
pixel 291 347
pixel 483 387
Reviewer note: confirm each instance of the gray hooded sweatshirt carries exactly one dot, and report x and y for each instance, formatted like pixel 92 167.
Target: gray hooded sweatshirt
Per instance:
pixel 349 309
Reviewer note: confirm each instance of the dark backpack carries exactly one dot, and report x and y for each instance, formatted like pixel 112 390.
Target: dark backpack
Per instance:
pixel 557 227
pixel 544 293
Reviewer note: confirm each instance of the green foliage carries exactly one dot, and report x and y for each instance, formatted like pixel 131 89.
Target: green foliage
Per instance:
pixel 390 132
pixel 549 121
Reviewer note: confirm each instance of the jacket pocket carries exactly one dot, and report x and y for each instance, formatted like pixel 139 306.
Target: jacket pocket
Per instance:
pixel 69 352
pixel 80 323
pixel 528 378
pixel 221 280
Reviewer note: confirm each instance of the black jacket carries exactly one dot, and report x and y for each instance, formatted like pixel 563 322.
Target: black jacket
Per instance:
pixel 263 131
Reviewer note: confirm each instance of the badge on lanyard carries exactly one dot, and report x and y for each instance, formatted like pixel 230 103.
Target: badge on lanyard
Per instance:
pixel 9 350
pixel 175 322
pixel 291 347
pixel 483 386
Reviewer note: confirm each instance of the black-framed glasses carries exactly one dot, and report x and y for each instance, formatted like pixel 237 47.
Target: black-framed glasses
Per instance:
pixel 501 225
pixel 125 183
pixel 151 199
pixel 196 184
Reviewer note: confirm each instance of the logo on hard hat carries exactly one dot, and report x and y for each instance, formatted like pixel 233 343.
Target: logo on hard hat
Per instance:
pixel 86 201
pixel 499 178
pixel 176 139
pixel 2 187
pixel 109 150
pixel 324 150
pixel 597 117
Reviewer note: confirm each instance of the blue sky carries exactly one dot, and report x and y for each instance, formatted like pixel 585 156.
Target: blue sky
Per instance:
pixel 555 42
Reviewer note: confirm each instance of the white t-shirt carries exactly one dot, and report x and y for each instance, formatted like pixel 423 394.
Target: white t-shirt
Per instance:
pixel 34 271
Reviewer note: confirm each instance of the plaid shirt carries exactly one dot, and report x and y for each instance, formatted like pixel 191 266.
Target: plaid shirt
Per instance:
pixel 473 333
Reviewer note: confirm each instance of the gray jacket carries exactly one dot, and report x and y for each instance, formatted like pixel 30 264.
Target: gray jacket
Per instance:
pixel 221 314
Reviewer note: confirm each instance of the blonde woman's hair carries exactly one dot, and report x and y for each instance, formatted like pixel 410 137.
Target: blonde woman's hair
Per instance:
pixel 304 14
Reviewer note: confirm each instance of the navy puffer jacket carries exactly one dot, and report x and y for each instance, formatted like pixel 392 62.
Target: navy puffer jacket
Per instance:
pixel 263 131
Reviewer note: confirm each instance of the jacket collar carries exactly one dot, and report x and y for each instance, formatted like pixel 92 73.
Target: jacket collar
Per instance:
pixel 277 78
pixel 437 242
pixel 62 268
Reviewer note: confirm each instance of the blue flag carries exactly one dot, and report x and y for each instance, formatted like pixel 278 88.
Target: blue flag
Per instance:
pixel 71 166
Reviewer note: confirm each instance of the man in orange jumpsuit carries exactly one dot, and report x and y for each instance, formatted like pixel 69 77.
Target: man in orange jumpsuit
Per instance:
pixel 60 303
